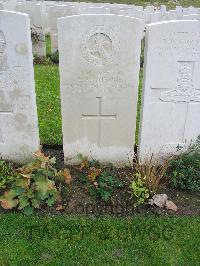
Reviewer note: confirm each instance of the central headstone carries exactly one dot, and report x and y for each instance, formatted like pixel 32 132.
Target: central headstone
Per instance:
pixel 99 70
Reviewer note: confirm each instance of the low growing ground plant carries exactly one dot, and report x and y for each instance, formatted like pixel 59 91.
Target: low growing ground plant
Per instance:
pixel 41 60
pixel 148 177
pixel 55 57
pixel 100 182
pixel 184 170
pixel 140 191
pixel 7 174
pixel 34 185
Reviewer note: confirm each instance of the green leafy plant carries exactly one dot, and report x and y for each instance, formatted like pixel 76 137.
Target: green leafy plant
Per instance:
pixel 55 57
pixel 184 170
pixel 100 183
pixel 106 184
pixel 150 174
pixel 140 191
pixel 7 174
pixel 33 186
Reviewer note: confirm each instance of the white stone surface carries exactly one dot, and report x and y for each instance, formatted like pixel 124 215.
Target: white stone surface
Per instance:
pixel 19 135
pixel 171 91
pixel 133 13
pixel 39 47
pixel 37 27
pixel 163 8
pixel 191 17
pixel 94 10
pixel 1 6
pixel 99 71
pixel 56 12
pixel 165 16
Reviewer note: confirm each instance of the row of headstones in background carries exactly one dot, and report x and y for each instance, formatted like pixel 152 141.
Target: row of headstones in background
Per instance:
pixel 99 70
pixel 44 15
pixel 148 15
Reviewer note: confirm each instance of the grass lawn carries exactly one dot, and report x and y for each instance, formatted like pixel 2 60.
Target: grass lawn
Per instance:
pixel 48 44
pixel 48 103
pixel 64 240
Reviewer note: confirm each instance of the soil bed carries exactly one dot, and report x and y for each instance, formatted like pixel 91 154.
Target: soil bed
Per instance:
pixel 78 201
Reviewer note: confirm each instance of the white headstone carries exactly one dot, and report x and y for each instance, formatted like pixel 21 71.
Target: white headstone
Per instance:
pixel 37 27
pixel 39 45
pixel 191 17
pixel 171 91
pixel 132 13
pixel 165 16
pixel 190 10
pixel 99 71
pixel 163 8
pixel 179 9
pixel 94 10
pixel 56 12
pixel 19 135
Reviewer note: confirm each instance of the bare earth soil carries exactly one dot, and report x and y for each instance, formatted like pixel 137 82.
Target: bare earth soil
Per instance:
pixel 76 200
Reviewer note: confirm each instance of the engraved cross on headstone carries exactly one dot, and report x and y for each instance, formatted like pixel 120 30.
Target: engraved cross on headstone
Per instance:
pixel 184 90
pixel 99 116
pixel 5 108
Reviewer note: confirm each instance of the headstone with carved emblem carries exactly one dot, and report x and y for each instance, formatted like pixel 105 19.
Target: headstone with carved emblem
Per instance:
pixel 99 70
pixel 171 94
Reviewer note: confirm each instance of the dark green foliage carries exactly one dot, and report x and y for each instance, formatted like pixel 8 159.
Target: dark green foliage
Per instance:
pixel 107 184
pixel 184 170
pixel 55 57
pixel 101 184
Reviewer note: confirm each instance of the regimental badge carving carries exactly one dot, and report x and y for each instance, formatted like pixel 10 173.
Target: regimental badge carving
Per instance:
pixel 3 57
pixel 185 90
pixel 99 45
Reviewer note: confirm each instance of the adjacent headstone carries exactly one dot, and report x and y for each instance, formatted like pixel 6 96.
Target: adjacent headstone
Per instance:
pixel 132 13
pixel 99 71
pixel 163 8
pixel 190 10
pixel 94 10
pixel 191 17
pixel 56 12
pixel 19 135
pixel 164 16
pixel 38 32
pixel 171 92
pixel 37 27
